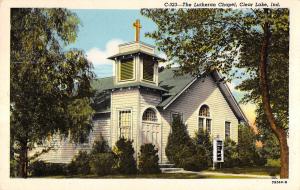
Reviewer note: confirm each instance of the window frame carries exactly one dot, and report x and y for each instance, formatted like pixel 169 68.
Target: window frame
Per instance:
pixel 153 75
pixel 133 70
pixel 205 119
pixel 225 134
pixel 150 121
pixel 119 123
pixel 176 113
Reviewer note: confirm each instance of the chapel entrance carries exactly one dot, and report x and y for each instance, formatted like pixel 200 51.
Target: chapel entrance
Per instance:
pixel 151 131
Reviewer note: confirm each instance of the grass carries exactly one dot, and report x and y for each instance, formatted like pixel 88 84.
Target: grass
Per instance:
pixel 151 176
pixel 265 170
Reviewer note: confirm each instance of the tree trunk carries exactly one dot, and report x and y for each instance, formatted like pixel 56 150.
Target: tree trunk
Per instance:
pixel 263 82
pixel 23 160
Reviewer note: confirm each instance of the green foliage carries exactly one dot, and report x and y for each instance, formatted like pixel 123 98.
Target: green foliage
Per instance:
pixel 80 164
pixel 231 158
pixel 124 151
pixel 178 139
pixel 195 158
pixel 203 138
pixel 273 163
pixel 50 87
pixel 100 146
pixel 102 163
pixel 41 168
pixel 182 151
pixel 148 159
pixel 230 41
pixel 246 147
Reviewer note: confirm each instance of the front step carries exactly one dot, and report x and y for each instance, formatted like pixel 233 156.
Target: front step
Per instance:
pixel 170 170
pixel 166 165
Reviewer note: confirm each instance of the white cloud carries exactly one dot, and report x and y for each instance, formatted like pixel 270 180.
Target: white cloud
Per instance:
pixel 99 57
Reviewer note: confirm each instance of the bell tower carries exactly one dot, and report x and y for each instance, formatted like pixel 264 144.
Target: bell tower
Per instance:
pixel 136 62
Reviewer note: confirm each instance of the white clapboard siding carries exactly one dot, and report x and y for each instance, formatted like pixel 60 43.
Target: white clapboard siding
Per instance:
pixel 101 128
pixel 203 91
pixel 123 100
pixel 64 150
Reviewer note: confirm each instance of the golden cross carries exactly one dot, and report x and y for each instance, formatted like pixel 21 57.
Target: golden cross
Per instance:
pixel 138 27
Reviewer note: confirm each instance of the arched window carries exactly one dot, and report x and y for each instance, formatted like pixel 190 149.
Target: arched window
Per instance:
pixel 149 115
pixel 204 122
pixel 204 111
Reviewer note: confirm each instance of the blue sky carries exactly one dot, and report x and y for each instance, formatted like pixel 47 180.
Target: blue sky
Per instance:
pixel 101 32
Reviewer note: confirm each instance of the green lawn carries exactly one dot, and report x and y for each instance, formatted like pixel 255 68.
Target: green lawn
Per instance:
pixel 271 171
pixel 145 176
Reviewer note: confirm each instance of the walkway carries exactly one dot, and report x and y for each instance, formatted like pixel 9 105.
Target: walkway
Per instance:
pixel 207 173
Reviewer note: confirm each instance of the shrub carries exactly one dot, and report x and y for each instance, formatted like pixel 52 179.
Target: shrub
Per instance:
pixel 183 151
pixel 126 163
pixel 148 159
pixel 41 168
pixel 80 164
pixel 230 154
pixel 38 168
pixel 260 157
pixel 100 146
pixel 177 141
pixel 197 159
pixel 203 139
pixel 102 163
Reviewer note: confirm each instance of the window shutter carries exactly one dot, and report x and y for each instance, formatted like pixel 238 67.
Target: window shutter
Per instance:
pixel 148 69
pixel 126 69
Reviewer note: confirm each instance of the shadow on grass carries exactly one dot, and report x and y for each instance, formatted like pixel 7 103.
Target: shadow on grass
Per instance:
pixel 147 176
pixel 270 171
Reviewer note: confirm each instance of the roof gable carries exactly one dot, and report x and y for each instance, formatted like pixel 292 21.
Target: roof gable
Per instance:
pixel 172 87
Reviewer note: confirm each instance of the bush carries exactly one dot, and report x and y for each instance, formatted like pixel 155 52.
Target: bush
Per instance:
pixel 102 163
pixel 41 168
pixel 260 157
pixel 148 159
pixel 38 168
pixel 203 139
pixel 100 146
pixel 183 151
pixel 178 141
pixel 124 151
pixel 80 164
pixel 197 159
pixel 230 154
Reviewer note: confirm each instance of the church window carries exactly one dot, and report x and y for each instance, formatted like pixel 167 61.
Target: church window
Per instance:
pixel 227 130
pixel 148 70
pixel 204 120
pixel 126 69
pixel 177 114
pixel 125 123
pixel 149 115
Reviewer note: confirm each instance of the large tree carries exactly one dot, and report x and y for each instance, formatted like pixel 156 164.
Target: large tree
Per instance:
pixel 199 40
pixel 49 86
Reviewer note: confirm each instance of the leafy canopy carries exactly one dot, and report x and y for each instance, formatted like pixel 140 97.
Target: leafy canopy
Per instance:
pixel 50 87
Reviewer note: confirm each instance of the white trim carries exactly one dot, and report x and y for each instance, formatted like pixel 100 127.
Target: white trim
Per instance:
pixel 204 119
pixel 178 94
pixel 234 100
pixel 131 121
pixel 230 128
pixel 133 74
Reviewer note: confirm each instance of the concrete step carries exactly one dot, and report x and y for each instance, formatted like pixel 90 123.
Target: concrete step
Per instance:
pixel 171 169
pixel 166 165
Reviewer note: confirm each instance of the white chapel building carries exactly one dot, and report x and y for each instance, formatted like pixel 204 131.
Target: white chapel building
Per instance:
pixel 140 101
